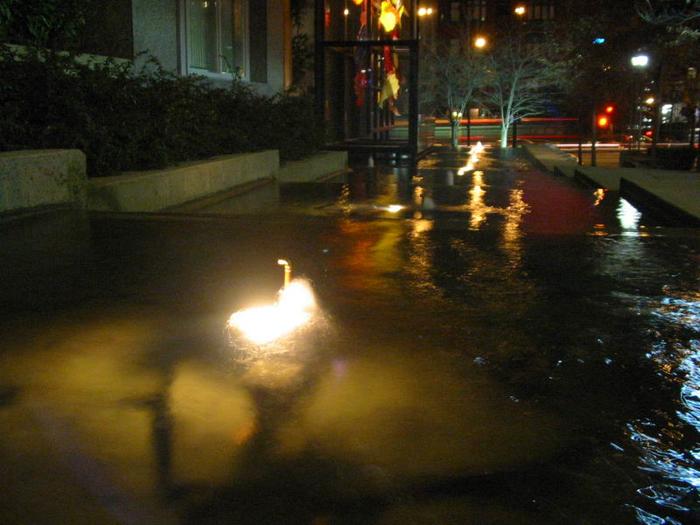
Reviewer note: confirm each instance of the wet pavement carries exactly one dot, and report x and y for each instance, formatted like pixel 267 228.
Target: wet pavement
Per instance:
pixel 506 347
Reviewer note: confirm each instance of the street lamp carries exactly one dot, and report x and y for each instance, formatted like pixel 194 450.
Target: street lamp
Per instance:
pixel 480 42
pixel 640 60
pixel 519 10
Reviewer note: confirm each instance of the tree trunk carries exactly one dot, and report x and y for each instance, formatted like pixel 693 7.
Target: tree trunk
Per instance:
pixel 504 135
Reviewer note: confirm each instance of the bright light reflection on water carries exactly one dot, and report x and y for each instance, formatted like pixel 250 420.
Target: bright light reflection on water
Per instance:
pixel 674 469
pixel 628 215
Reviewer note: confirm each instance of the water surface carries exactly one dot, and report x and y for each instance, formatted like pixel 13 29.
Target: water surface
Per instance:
pixel 508 347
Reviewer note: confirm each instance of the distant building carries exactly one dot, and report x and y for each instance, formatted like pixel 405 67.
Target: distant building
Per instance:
pixel 490 14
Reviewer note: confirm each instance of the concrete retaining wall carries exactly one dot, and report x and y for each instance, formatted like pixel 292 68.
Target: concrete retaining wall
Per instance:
pixel 158 189
pixel 314 167
pixel 39 178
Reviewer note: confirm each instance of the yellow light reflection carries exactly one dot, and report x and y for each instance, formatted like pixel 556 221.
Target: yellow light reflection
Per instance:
pixel 394 208
pixel 599 196
pixel 263 324
pixel 515 212
pixel 474 157
pixel 476 202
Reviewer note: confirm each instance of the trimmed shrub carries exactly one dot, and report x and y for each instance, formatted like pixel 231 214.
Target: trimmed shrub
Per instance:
pixel 123 119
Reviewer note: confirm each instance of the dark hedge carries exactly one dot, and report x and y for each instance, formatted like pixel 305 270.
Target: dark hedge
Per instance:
pixel 125 119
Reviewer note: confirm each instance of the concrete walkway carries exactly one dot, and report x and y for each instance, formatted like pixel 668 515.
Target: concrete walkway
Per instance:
pixel 671 192
pixel 551 159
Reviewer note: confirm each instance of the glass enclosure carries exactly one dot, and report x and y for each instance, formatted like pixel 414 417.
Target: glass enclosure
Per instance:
pixel 367 77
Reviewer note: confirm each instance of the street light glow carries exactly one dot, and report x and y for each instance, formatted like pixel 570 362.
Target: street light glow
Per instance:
pixel 650 101
pixel 480 42
pixel 519 10
pixel 640 60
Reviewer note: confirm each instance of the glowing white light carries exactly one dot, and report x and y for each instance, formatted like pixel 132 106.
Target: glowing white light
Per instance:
pixel 346 12
pixel 394 208
pixel 480 42
pixel 628 215
pixel 469 166
pixel 473 159
pixel 649 101
pixel 640 60
pixel 263 324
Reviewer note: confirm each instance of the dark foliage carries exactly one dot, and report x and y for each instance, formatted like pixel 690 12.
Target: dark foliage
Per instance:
pixel 129 120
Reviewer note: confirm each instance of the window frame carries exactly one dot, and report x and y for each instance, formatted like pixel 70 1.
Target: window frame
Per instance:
pixel 244 42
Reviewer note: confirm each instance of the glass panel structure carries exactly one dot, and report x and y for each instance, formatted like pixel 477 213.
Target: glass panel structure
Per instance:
pixel 366 76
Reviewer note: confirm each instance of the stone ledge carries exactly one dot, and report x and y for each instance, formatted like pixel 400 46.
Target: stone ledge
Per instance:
pixel 313 168
pixel 32 179
pixel 159 189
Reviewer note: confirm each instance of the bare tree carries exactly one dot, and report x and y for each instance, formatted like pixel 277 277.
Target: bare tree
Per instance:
pixel 452 76
pixel 668 12
pixel 680 17
pixel 520 80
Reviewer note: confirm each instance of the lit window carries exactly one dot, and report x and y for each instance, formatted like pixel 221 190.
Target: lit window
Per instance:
pixel 219 41
pixel 476 10
pixel 541 10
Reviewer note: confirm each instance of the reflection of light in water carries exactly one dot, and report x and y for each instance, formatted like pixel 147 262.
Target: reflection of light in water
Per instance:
pixel 473 160
pixel 263 324
pixel 422 198
pixel 599 196
pixel 666 452
pixel 420 255
pixel 515 212
pixel 628 215
pixel 344 200
pixel 476 202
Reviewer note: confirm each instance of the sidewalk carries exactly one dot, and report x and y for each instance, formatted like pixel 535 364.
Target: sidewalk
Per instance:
pixel 667 191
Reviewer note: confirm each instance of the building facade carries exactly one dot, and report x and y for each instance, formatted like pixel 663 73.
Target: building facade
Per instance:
pixel 220 39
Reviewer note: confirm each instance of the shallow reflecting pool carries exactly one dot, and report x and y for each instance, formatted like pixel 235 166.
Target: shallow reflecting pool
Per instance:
pixel 501 346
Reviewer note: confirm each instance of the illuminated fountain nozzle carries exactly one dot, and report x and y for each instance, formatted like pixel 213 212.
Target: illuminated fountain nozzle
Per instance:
pixel 287 271
pixel 473 159
pixel 295 306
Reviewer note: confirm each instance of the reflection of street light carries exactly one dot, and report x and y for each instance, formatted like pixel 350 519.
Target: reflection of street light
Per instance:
pixel 480 42
pixel 519 10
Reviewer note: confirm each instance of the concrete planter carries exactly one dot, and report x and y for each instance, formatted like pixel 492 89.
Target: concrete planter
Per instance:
pixel 40 178
pixel 158 189
pixel 313 168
